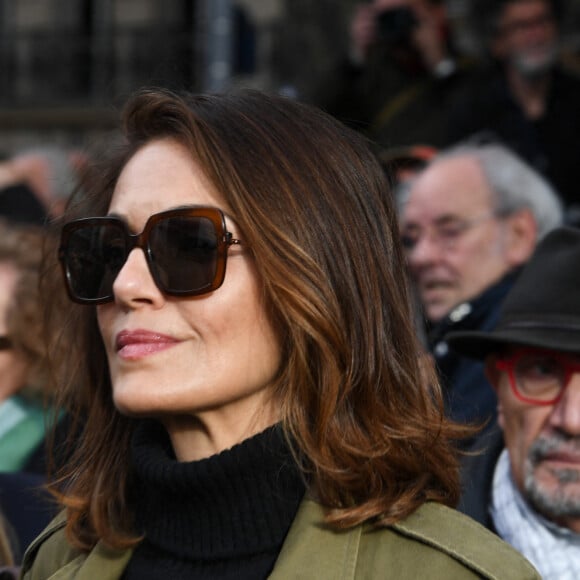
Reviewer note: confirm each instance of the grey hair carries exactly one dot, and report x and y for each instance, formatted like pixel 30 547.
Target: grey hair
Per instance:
pixel 515 185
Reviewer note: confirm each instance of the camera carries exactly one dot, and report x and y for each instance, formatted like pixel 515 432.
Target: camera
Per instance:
pixel 396 25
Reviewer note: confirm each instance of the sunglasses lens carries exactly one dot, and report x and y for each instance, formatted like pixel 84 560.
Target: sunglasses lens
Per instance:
pixel 94 255
pixel 184 254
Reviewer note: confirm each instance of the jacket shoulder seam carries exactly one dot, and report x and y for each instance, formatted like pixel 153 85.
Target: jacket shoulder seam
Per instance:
pixel 422 526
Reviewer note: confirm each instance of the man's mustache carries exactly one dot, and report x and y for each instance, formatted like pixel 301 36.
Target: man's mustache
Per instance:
pixel 557 442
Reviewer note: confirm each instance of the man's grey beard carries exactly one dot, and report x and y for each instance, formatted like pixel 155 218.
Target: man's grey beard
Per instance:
pixel 532 68
pixel 558 502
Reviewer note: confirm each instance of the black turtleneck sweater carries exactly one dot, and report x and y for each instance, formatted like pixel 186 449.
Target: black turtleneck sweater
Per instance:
pixel 224 517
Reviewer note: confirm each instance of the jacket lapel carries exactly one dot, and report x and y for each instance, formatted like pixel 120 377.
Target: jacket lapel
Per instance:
pixel 312 550
pixel 104 564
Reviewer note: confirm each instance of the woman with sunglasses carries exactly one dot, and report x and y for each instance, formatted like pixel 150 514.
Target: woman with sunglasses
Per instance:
pixel 249 382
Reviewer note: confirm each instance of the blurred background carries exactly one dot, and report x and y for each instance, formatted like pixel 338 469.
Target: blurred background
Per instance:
pixel 67 65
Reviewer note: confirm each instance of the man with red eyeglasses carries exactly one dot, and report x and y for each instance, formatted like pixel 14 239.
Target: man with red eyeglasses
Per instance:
pixel 525 485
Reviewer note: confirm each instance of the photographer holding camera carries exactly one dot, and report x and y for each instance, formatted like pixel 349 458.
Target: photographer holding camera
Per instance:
pixel 398 75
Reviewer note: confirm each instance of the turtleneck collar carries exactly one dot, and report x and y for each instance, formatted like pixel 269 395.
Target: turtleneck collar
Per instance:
pixel 233 505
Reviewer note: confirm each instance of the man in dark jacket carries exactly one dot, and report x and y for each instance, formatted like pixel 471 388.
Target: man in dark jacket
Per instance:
pixel 526 484
pixel 398 75
pixel 468 222
pixel 524 98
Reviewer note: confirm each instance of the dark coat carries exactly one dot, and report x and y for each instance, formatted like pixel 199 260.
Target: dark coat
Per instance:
pixel 25 502
pixel 26 506
pixel 477 476
pixel 468 395
pixel 550 144
pixel 394 106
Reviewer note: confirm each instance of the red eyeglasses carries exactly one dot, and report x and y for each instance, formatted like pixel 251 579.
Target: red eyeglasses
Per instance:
pixel 537 376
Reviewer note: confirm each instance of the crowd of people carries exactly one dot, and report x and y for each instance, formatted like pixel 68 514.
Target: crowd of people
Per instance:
pixel 403 82
pixel 267 338
pixel 26 390
pixel 525 485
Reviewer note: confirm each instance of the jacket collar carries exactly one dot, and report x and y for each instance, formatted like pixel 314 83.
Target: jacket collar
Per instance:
pixel 471 313
pixel 302 556
pixel 101 562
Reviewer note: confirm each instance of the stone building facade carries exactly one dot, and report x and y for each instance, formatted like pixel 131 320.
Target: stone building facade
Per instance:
pixel 66 65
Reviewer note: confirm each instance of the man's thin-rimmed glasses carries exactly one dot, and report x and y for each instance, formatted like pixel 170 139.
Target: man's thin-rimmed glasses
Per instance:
pixel 445 233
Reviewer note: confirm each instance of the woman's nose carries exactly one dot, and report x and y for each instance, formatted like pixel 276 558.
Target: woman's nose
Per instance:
pixel 134 283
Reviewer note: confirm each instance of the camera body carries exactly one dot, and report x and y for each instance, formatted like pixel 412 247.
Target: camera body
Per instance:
pixel 396 25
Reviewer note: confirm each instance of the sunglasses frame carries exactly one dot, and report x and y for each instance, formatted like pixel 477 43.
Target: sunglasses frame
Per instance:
pixel 216 216
pixel 508 364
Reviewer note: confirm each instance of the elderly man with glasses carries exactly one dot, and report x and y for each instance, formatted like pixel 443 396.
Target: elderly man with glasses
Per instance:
pixel 526 484
pixel 469 221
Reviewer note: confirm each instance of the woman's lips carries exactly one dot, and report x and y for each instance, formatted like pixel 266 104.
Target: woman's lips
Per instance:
pixel 135 344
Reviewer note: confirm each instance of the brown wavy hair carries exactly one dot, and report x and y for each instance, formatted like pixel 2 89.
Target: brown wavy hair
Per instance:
pixel 363 415
pixel 22 246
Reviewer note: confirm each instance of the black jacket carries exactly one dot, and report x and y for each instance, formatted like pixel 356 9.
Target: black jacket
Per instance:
pixel 392 105
pixel 550 144
pixel 468 395
pixel 477 476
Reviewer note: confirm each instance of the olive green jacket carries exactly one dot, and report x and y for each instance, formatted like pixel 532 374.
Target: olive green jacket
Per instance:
pixel 435 542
